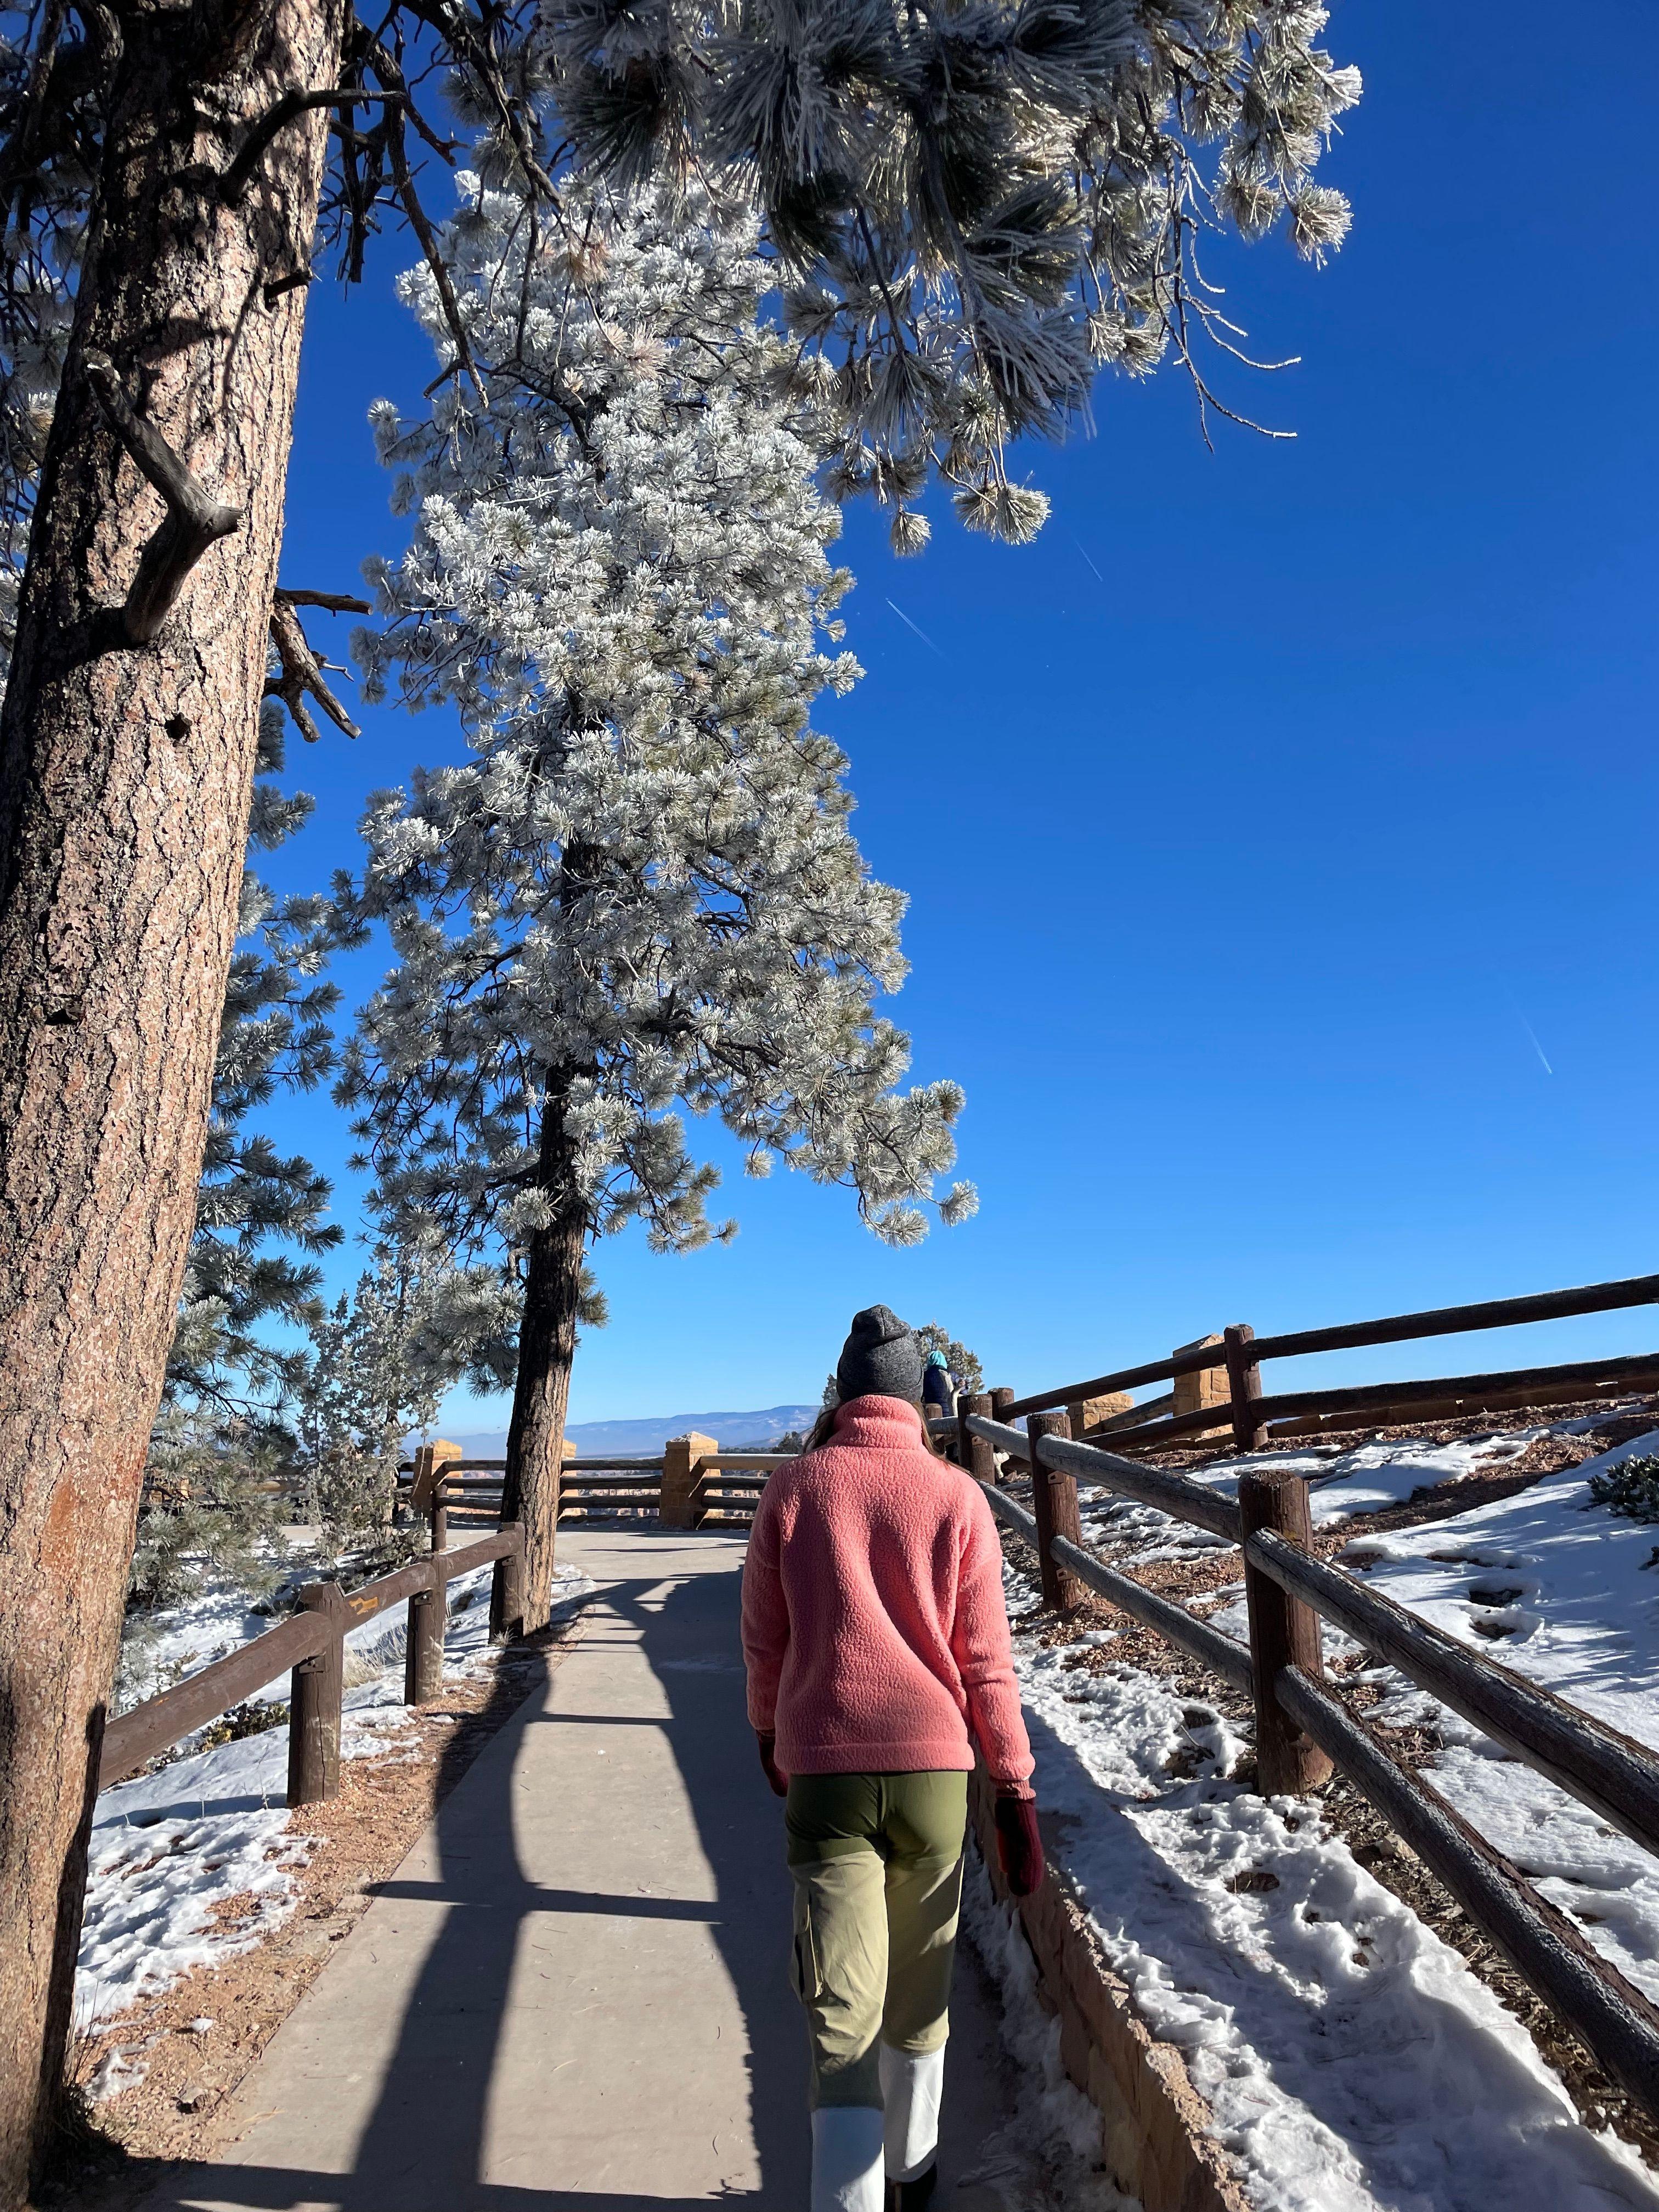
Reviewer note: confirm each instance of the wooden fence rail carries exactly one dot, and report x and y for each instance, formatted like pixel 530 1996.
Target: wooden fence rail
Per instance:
pixel 720 1488
pixel 1302 1728
pixel 310 1647
pixel 1249 1413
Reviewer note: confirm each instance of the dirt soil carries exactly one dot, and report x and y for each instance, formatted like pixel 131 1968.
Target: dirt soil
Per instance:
pixel 112 2152
pixel 1219 1574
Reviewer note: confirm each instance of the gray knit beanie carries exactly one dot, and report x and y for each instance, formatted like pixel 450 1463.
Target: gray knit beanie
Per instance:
pixel 880 1359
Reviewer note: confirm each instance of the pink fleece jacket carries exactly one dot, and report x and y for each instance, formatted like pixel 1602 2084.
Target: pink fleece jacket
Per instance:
pixel 873 1623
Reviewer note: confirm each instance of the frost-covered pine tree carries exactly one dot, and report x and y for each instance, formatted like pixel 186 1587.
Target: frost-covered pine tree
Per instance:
pixel 640 892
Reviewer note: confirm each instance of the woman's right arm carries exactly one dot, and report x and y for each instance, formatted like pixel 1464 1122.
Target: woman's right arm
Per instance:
pixel 765 1617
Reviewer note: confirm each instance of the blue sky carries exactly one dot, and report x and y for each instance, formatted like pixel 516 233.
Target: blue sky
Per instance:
pixel 1277 829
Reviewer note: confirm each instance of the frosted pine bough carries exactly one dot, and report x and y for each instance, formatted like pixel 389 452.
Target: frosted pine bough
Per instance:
pixel 641 892
pixel 975 207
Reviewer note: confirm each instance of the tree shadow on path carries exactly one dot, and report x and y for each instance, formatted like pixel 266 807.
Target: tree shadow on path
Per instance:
pixel 424 2147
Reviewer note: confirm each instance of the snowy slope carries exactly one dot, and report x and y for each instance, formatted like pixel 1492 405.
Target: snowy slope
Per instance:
pixel 1560 1590
pixel 1351 2059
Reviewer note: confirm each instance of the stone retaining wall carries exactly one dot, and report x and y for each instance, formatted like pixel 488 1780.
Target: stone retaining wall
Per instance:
pixel 1154 2124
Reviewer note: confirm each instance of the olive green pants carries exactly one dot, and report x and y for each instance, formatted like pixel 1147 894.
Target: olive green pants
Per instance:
pixel 877 1861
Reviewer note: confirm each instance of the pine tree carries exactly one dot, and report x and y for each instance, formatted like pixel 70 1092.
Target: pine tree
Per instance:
pixel 642 891
pixel 211 1505
pixel 969 207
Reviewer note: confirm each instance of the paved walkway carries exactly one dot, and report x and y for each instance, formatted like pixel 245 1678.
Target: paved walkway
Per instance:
pixel 572 1995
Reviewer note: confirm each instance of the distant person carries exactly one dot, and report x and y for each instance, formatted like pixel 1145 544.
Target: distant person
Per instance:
pixel 878 1648
pixel 939 1386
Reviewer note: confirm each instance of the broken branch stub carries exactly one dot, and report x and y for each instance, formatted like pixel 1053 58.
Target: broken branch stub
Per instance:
pixel 301 671
pixel 194 519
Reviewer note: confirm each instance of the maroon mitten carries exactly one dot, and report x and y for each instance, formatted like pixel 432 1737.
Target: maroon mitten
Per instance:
pixel 1019 1843
pixel 780 1782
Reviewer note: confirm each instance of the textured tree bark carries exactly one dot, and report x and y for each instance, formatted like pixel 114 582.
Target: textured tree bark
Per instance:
pixel 124 782
pixel 547 1347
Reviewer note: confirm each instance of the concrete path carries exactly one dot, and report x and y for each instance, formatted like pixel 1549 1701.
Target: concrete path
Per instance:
pixel 571 1995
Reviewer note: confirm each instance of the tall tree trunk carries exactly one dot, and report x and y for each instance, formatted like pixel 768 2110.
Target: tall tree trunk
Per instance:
pixel 547 1346
pixel 125 782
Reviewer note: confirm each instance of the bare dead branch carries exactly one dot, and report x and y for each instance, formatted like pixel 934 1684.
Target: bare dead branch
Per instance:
pixel 409 200
pixel 336 603
pixel 288 109
pixel 301 671
pixel 194 520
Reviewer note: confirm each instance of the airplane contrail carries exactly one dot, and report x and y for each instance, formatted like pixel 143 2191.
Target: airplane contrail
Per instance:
pixel 908 624
pixel 1083 549
pixel 1536 1047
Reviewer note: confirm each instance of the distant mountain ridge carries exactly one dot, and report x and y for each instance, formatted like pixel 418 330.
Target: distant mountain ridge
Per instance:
pixel 639 1438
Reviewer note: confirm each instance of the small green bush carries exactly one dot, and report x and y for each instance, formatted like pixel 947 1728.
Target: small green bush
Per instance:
pixel 1630 1488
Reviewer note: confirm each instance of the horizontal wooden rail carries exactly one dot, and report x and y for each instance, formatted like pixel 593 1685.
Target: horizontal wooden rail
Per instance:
pixel 1177 1494
pixel 1394 1328
pixel 500 1544
pixel 751 1462
pixel 1135 1417
pixel 1191 1362
pixel 1169 1494
pixel 1379 1396
pixel 1614 2022
pixel 1151 1435
pixel 1011 1512
pixel 639 1482
pixel 1211 1647
pixel 134 1738
pixel 1453 1320
pixel 1616 1777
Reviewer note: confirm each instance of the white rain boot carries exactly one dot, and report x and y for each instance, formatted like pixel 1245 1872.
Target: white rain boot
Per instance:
pixel 846 2159
pixel 911 2086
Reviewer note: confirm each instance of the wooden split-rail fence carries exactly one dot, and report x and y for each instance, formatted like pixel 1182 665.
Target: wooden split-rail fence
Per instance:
pixel 1085 1432
pixel 1302 1728
pixel 692 1484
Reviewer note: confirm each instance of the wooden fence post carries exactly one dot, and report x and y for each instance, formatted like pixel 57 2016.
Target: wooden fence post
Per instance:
pixel 1000 1401
pixel 1284 1632
pixel 977 1456
pixel 1244 1386
pixel 423 1641
pixel 680 1479
pixel 313 1713
pixel 510 1583
pixel 1053 1501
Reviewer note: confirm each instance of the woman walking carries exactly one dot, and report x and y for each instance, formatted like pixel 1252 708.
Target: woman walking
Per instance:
pixel 877 1644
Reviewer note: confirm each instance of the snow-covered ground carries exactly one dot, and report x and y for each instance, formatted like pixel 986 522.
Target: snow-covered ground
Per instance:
pixel 1351 2059
pixel 171 1848
pixel 1363 1480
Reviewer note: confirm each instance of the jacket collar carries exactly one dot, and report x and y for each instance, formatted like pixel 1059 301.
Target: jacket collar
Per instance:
pixel 884 1423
